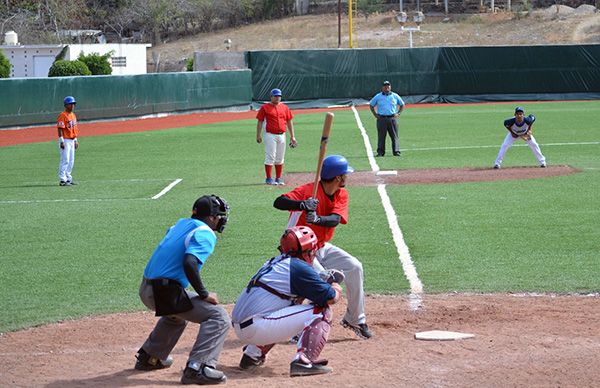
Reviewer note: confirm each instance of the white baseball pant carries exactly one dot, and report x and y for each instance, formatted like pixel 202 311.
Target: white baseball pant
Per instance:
pixel 274 148
pixel 67 159
pixel 508 142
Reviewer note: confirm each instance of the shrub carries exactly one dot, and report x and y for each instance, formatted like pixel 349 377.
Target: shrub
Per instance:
pixel 62 68
pixel 189 66
pixel 4 66
pixel 98 64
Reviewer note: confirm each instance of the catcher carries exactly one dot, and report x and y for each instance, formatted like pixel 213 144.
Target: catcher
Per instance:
pixel 270 309
pixel 520 127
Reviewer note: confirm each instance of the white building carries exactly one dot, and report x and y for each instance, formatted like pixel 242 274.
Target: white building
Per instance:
pixel 36 60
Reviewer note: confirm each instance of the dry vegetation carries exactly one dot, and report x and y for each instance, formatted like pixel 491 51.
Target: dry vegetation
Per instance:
pixel 567 26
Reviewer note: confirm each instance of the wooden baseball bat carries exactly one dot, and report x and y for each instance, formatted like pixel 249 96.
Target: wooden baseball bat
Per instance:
pixel 322 149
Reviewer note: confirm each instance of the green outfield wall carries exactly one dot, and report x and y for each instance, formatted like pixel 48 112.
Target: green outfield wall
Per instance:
pixel 32 101
pixel 430 74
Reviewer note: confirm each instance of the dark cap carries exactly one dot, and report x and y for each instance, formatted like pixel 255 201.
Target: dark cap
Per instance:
pixel 519 109
pixel 210 205
pixel 386 83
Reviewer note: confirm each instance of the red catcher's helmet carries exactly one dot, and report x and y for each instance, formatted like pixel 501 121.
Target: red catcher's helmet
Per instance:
pixel 300 242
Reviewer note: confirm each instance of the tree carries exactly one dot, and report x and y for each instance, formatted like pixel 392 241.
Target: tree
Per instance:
pixel 4 66
pixel 98 64
pixel 63 68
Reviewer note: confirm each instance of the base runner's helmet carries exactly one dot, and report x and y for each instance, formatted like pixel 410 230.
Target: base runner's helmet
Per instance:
pixel 300 242
pixel 335 165
pixel 69 100
pixel 211 205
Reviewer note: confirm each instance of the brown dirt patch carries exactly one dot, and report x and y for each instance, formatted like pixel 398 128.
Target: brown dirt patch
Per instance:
pixel 441 175
pixel 520 340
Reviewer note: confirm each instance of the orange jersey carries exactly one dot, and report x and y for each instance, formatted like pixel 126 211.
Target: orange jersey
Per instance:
pixel 67 123
pixel 337 204
pixel 277 117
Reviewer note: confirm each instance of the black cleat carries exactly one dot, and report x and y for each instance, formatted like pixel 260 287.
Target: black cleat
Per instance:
pixel 298 368
pixel 205 375
pixel 361 330
pixel 397 153
pixel 147 362
pixel 248 363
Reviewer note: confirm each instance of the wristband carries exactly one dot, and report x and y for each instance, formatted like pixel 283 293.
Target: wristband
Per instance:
pixel 75 140
pixel 61 139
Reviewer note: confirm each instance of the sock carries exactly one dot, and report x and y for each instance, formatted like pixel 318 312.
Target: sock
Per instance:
pixel 278 170
pixel 268 170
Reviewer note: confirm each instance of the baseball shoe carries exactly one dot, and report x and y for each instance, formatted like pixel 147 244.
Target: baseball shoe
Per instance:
pixel 379 155
pixel 279 181
pixel 270 181
pixel 543 165
pixel 361 330
pixel 62 183
pixel 299 368
pixel 397 153
pixel 248 363
pixel 496 166
pixel 147 362
pixel 71 183
pixel 203 375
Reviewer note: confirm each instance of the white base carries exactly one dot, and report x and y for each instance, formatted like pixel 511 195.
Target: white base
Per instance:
pixel 387 172
pixel 439 335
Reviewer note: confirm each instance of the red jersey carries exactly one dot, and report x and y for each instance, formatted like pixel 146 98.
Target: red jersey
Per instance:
pixel 277 117
pixel 67 122
pixel 337 204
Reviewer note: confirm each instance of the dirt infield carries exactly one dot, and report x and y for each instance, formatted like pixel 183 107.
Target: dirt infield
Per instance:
pixel 520 340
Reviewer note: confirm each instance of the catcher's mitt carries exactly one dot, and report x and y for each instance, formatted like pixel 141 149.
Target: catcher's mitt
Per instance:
pixel 332 276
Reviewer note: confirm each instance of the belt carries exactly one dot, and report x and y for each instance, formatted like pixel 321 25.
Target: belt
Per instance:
pixel 162 281
pixel 245 324
pixel 386 116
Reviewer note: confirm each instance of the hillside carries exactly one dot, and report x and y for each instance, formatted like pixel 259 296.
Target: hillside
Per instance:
pixel 562 25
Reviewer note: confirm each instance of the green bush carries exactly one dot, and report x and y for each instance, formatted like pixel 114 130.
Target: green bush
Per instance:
pixel 4 66
pixel 98 64
pixel 189 66
pixel 63 68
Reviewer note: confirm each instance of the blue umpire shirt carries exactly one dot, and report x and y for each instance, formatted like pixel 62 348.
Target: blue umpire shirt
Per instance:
pixel 188 235
pixel 386 103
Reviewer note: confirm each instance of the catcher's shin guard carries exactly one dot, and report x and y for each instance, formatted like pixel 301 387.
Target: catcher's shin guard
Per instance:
pixel 314 337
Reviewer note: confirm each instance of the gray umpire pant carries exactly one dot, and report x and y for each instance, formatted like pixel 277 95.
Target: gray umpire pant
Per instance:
pixel 332 257
pixel 387 125
pixel 214 325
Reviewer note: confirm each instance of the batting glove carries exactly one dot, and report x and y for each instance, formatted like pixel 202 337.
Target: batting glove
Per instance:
pixel 312 217
pixel 309 204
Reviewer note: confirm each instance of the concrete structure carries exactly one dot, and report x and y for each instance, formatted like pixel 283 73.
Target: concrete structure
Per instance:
pixel 36 60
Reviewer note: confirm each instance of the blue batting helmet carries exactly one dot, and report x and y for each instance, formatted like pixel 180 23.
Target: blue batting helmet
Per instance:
pixel 276 92
pixel 335 165
pixel 69 100
pixel 519 109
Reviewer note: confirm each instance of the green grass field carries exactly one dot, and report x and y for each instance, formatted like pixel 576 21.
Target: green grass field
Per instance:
pixel 69 252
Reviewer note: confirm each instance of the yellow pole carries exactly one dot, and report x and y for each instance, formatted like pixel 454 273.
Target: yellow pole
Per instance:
pixel 350 22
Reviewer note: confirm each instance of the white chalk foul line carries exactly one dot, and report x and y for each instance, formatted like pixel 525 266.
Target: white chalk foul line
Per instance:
pixel 416 287
pixel 167 189
pixel 495 146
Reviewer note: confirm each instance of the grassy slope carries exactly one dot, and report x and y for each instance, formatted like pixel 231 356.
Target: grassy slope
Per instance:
pixel 68 259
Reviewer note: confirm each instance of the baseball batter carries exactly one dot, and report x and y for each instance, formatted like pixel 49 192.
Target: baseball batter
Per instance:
pixel 67 141
pixel 174 265
pixel 323 214
pixel 275 117
pixel 270 309
pixel 520 127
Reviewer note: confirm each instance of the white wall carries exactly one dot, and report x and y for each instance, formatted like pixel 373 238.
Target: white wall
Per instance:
pixel 31 61
pixel 133 56
pixel 35 60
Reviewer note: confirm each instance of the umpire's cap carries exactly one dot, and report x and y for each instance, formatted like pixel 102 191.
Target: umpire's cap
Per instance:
pixel 69 100
pixel 386 83
pixel 276 92
pixel 519 109
pixel 210 205
pixel 335 165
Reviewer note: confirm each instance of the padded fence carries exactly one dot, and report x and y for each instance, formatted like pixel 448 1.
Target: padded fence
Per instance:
pixel 32 101
pixel 430 74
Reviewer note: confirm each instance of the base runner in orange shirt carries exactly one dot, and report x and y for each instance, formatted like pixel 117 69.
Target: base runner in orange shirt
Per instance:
pixel 67 141
pixel 323 214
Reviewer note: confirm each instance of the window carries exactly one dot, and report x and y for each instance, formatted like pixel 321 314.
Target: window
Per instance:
pixel 119 61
